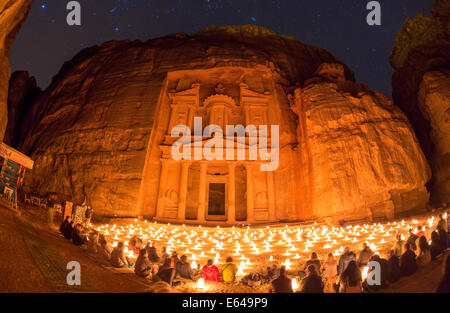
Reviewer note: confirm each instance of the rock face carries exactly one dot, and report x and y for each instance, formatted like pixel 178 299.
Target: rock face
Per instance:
pixel 21 94
pixel 421 50
pixel 359 155
pixel 97 129
pixel 12 15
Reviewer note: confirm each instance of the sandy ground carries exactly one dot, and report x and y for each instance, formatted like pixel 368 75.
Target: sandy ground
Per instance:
pixel 20 272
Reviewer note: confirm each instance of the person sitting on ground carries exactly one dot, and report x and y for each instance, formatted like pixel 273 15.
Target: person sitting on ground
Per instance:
pixel 184 269
pixel 88 216
pixel 282 284
pixel 68 231
pixel 435 248
pixel 93 244
pixel 424 257
pixel 135 244
pixel 152 254
pixel 167 274
pixel 314 260
pixel 105 248
pixel 78 237
pixel 118 258
pixel 330 271
pixel 312 283
pixel 143 267
pixel 273 272
pixel 412 240
pixel 351 279
pixel 394 272
pixel 164 256
pixel 420 231
pixel 408 262
pixel 364 255
pixel 64 225
pixel 384 273
pixel 253 279
pixel 442 224
pixel 345 259
pixel 210 272
pixel 229 271
pixel 398 246
pixel 442 238
pixel 174 259
pixel 444 285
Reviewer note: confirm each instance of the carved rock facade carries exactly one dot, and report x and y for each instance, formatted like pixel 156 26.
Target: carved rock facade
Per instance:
pixel 103 129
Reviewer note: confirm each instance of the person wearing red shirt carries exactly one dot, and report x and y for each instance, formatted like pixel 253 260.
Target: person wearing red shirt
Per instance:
pixel 210 272
pixel 420 232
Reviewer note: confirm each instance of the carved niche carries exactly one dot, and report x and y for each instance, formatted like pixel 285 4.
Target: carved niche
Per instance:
pixel 219 108
pixel 183 105
pixel 255 105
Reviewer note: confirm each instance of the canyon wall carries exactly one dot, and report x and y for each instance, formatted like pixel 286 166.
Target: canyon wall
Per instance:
pixel 89 133
pixel 421 58
pixel 359 153
pixel 12 15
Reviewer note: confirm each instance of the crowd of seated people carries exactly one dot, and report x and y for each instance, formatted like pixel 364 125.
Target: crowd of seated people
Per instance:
pixel 343 275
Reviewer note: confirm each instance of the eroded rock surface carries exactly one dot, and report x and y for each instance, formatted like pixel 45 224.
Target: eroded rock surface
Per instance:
pixel 22 92
pixel 359 153
pixel 12 15
pixel 91 130
pixel 423 46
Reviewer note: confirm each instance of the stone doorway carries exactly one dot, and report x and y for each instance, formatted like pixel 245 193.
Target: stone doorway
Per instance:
pixel 216 200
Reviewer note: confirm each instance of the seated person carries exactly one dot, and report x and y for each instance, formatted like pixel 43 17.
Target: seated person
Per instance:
pixel 424 257
pixel 135 244
pixel 118 258
pixel 64 225
pixel 143 266
pixel 229 271
pixel 78 236
pixel 93 244
pixel 282 284
pixel 210 272
pixel 105 248
pixel 408 262
pixel 152 254
pixel 394 267
pixel 68 231
pixel 166 273
pixel 312 283
pixel 184 269
pixel 365 255
pixel 314 260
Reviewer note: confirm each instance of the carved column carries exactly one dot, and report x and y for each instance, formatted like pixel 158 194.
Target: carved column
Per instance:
pixel 250 200
pixel 202 193
pixel 183 190
pixel 271 196
pixel 162 187
pixel 231 194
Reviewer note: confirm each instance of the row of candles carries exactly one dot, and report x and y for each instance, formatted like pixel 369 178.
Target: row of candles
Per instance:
pixel 261 246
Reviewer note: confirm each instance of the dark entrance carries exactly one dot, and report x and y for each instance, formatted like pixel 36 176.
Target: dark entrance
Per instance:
pixel 216 202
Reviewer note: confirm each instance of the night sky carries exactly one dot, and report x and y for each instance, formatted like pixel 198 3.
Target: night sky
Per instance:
pixel 45 41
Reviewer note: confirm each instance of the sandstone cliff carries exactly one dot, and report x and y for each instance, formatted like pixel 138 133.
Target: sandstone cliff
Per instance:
pixel 90 131
pixel 421 54
pixel 22 92
pixel 359 153
pixel 12 15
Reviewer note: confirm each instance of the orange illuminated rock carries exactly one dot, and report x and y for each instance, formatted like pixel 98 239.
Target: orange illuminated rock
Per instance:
pixel 12 15
pixel 102 129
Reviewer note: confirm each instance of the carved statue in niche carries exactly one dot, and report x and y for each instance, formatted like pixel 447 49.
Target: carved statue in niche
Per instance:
pixel 171 198
pixel 220 89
